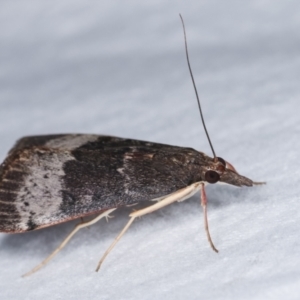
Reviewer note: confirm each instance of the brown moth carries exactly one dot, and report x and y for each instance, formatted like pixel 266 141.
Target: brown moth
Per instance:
pixel 51 179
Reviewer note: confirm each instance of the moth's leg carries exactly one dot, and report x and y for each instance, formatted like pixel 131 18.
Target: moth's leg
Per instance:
pixel 67 239
pixel 204 206
pixel 114 243
pixel 179 195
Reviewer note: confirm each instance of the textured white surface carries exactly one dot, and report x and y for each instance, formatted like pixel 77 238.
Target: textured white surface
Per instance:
pixel 119 68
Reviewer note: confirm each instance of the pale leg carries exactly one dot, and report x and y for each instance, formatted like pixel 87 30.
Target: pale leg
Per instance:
pixel 67 239
pixel 177 196
pixel 204 205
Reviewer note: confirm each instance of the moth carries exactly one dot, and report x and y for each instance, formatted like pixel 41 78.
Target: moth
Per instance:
pixel 51 179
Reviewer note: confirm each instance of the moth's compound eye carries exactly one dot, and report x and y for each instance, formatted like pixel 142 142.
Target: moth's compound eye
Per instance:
pixel 222 161
pixel 212 176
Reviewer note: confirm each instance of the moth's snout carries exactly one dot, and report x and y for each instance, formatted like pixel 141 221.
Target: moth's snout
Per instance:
pixel 234 178
pixel 231 176
pixel 223 171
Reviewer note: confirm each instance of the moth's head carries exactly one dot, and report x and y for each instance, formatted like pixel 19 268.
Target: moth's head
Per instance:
pixel 219 170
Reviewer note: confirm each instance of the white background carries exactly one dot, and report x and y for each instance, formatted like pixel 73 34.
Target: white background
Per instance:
pixel 119 68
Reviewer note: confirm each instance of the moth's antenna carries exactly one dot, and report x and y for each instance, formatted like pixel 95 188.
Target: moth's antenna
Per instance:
pixel 190 69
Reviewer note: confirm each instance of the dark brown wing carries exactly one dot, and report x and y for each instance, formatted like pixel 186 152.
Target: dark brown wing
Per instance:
pixel 47 180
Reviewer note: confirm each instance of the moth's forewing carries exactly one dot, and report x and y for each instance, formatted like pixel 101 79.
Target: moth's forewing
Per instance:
pixel 46 180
